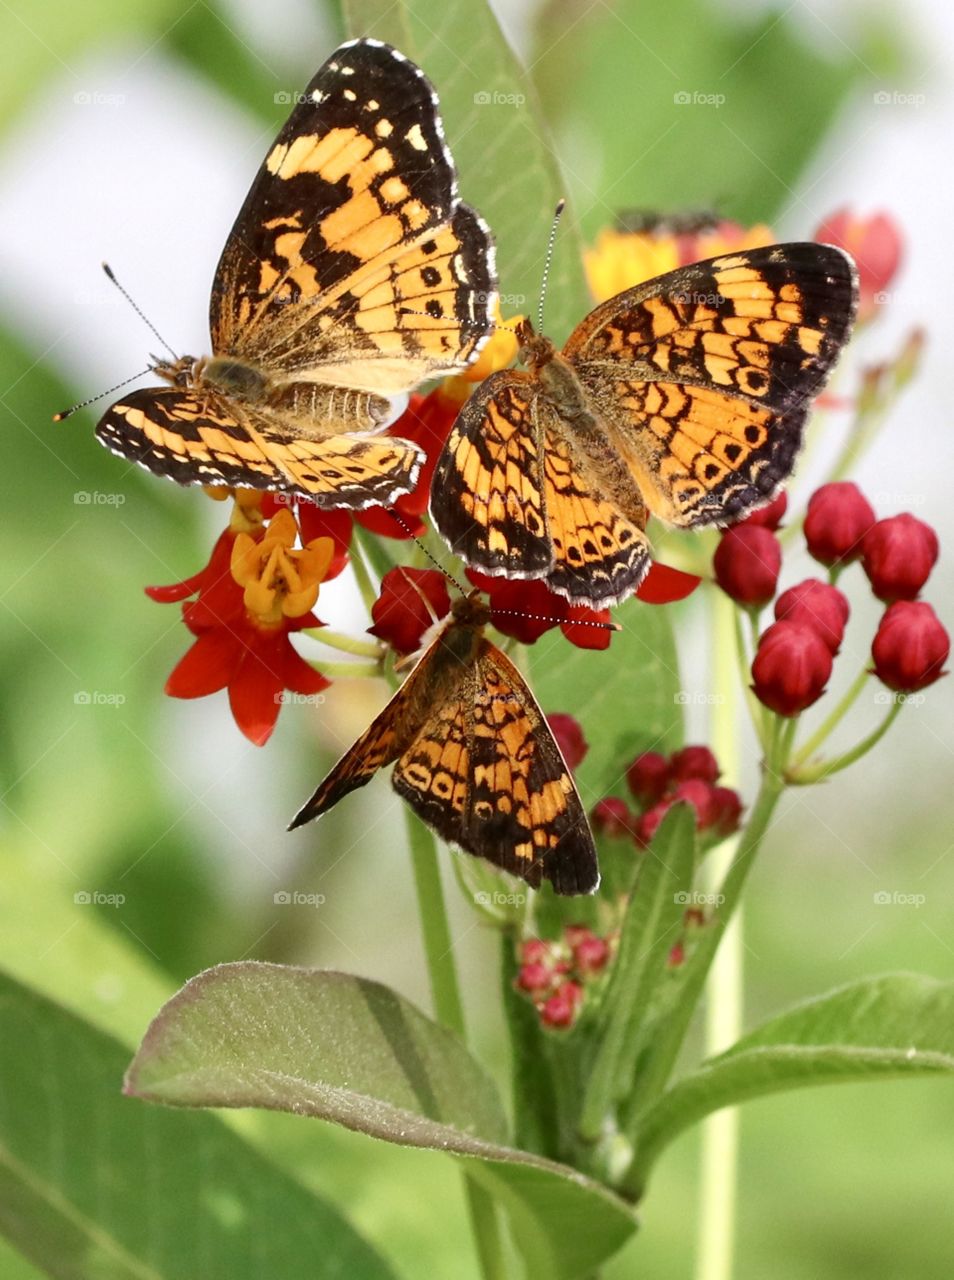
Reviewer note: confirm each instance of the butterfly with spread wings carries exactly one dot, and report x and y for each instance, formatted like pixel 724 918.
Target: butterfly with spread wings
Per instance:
pixel 684 398
pixel 352 274
pixel 476 760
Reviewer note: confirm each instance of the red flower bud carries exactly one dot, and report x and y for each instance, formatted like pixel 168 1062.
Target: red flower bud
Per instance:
pixel 770 516
pixel 694 762
pixel 410 600
pixel 816 604
pixel 591 954
pixel 677 953
pixel 698 794
pixel 876 245
pixel 911 646
pixel 839 516
pixel 560 1010
pixel 728 811
pixel 534 977
pixel 611 817
pixel 747 563
pixel 569 738
pixel 898 555
pixel 648 824
pixel 648 776
pixel 791 668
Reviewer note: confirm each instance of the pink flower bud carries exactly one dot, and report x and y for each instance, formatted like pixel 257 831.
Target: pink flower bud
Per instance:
pixel 910 647
pixel 898 555
pixel 876 245
pixel 728 811
pixel 560 1009
pixel 648 824
pixel 747 563
pixel 698 794
pixel 839 516
pixel 792 666
pixel 611 817
pixel 816 604
pixel 591 955
pixel 534 977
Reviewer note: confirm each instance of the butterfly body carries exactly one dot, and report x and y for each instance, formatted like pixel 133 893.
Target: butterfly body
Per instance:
pixel 683 398
pixel 476 760
pixel 352 274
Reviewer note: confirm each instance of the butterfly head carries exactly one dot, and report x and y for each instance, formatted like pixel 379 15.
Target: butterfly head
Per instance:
pixel 471 611
pixel 535 349
pixel 182 372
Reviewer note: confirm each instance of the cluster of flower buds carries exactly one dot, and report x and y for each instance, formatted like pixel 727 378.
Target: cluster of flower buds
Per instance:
pixel 657 782
pixel 795 655
pixel 555 974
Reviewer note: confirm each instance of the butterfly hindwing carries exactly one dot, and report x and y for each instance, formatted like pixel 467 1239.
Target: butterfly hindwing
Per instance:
pixel 704 376
pixel 486 773
pixel 487 493
pixel 203 439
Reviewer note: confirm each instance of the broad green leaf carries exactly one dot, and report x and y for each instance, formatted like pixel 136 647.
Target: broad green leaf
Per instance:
pixel 94 1185
pixel 649 930
pixel 692 108
pixel 626 697
pixel 345 1049
pixel 895 1025
pixel 499 140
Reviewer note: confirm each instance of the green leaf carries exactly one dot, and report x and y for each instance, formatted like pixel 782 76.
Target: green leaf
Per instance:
pixel 625 697
pixel 499 141
pixel 92 1185
pixel 895 1025
pixel 664 109
pixel 650 928
pixel 345 1049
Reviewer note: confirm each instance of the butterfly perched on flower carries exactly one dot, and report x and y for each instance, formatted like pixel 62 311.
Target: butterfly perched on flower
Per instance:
pixel 475 759
pixel 352 274
pixel 684 398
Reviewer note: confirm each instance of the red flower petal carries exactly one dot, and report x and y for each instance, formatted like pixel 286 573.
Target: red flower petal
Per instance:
pixel 664 584
pixel 255 691
pixel 336 525
pixel 300 676
pixel 207 667
pixel 580 630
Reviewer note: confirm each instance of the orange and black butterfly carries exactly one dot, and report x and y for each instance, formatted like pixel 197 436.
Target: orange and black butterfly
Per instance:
pixel 684 398
pixel 352 274
pixel 476 759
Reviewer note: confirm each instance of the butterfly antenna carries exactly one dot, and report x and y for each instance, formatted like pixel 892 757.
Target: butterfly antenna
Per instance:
pixel 433 559
pixel 138 310
pixel 558 213
pixel 58 417
pixel 572 622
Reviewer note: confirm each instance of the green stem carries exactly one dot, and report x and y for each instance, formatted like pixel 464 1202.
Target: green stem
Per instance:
pixel 449 1010
pixel 346 644
pixel 359 551
pixel 832 720
pixel 348 670
pixel 804 776
pixel 700 961
pixel 715 1237
pixel 756 710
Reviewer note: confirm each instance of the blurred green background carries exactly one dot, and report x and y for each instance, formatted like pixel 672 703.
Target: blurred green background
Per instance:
pixel 131 131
